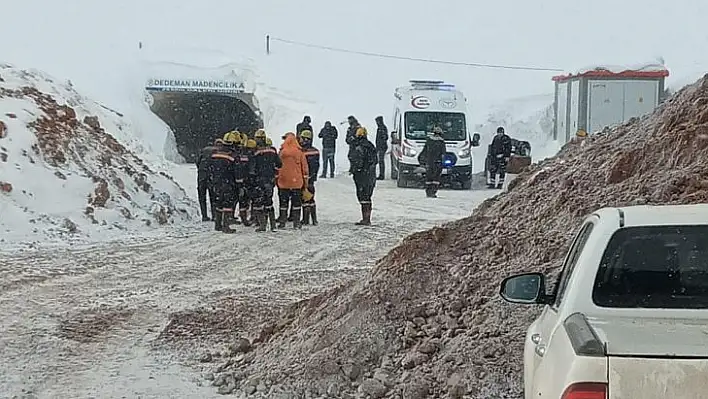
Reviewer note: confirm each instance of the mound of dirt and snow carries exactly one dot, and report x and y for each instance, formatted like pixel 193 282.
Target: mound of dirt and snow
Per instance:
pixel 66 170
pixel 427 322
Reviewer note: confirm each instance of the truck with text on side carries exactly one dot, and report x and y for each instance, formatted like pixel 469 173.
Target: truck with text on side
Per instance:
pixel 419 107
pixel 628 316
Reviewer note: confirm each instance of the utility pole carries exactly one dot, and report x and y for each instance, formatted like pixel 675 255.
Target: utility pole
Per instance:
pixel 268 44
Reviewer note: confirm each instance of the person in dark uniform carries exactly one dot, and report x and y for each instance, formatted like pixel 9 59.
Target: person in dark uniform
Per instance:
pixel 312 154
pixel 500 152
pixel 203 187
pixel 266 164
pixel 222 178
pixel 432 158
pixel 351 135
pixel 381 146
pixel 243 165
pixel 362 161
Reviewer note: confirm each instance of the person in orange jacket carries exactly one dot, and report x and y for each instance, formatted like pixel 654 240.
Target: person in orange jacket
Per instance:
pixel 292 179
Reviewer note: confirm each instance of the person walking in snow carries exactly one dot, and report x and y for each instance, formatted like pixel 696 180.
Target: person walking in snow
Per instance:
pixel 500 152
pixel 362 161
pixel 432 157
pixel 329 135
pixel 306 124
pixel 203 186
pixel 312 155
pixel 292 179
pixel 381 146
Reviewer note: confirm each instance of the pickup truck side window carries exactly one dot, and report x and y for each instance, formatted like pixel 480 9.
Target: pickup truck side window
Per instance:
pixel 659 267
pixel 573 254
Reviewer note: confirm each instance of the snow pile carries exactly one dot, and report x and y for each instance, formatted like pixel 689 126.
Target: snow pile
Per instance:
pixel 68 170
pixel 526 118
pixel 428 322
pixel 654 66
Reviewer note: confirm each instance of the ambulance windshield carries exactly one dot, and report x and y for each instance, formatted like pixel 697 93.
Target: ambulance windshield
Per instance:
pixel 420 124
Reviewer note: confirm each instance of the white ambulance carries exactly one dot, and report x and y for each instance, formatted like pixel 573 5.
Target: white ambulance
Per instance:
pixel 419 107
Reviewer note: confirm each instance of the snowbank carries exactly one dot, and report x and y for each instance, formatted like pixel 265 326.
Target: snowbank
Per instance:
pixel 70 169
pixel 527 118
pixel 653 66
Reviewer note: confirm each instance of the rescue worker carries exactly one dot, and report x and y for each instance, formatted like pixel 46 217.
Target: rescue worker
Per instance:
pixel 222 178
pixel 243 167
pixel 363 167
pixel 306 124
pixel 329 135
pixel 500 150
pixel 432 157
pixel 203 187
pixel 251 187
pixel 266 164
pixel 381 146
pixel 292 179
pixel 312 154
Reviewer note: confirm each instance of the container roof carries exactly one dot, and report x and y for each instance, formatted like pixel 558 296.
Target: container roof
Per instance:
pixel 605 72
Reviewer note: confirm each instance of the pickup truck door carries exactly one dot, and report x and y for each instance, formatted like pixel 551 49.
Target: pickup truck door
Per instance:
pixel 540 334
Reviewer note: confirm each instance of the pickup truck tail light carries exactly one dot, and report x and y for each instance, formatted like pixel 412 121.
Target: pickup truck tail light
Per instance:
pixel 586 390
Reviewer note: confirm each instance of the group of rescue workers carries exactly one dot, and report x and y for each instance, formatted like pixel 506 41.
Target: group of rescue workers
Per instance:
pixel 240 172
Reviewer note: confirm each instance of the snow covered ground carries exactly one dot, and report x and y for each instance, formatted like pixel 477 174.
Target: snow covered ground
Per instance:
pixel 92 324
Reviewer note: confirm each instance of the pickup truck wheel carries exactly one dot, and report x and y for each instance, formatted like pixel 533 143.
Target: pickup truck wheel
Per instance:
pixel 401 182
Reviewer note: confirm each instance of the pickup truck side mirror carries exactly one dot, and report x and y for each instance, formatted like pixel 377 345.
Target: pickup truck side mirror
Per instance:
pixel 527 288
pixel 475 140
pixel 394 137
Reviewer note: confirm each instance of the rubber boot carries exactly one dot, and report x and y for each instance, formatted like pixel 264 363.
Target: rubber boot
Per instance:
pixel 305 215
pixel 282 219
pixel 244 217
pixel 271 217
pixel 296 219
pixel 367 214
pixel 362 222
pixel 313 214
pixel 260 221
pixel 227 219
pixel 218 220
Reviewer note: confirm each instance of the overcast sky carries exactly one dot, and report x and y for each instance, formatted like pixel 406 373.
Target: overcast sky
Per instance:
pixel 89 41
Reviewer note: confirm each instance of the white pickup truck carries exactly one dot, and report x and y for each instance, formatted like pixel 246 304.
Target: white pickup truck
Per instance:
pixel 628 317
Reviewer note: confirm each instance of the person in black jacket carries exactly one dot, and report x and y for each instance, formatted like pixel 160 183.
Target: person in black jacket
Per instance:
pixel 329 135
pixel 266 164
pixel 381 146
pixel 306 124
pixel 312 154
pixel 242 167
pixel 500 151
pixel 203 186
pixel 362 161
pixel 222 177
pixel 432 158
pixel 351 134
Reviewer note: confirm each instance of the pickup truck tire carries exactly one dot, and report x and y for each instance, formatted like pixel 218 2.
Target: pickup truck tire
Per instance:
pixel 401 182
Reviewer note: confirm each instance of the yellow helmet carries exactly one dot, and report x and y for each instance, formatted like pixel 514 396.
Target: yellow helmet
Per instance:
pixel 306 134
pixel 250 143
pixel 232 137
pixel 260 134
pixel 269 142
pixel 361 132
